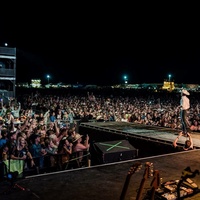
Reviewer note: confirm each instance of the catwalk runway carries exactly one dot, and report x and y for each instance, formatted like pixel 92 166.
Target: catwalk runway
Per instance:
pixel 106 181
pixel 139 131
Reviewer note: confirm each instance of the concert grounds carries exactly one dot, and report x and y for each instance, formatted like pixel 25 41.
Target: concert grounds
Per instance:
pixel 106 180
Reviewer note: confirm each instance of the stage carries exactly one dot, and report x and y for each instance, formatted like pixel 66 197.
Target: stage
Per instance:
pixel 105 181
pixel 138 131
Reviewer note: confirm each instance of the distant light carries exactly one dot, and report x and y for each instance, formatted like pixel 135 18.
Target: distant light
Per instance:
pixel 169 77
pixel 125 79
pixel 48 77
pixel 6 44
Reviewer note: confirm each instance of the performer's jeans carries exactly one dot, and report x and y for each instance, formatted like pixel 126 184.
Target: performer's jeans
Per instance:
pixel 184 121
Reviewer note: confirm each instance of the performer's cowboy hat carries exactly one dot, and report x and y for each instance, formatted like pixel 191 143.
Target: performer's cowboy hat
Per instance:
pixel 185 92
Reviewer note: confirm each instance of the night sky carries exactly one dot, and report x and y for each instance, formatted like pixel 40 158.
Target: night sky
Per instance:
pixel 98 45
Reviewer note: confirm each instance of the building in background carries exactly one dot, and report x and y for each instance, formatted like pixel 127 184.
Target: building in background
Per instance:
pixel 7 72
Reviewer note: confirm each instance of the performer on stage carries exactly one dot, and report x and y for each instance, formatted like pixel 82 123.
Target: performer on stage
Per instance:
pixel 185 105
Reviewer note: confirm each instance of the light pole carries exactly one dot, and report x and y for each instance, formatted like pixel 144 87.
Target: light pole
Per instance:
pixel 170 84
pixel 169 77
pixel 125 79
pixel 48 77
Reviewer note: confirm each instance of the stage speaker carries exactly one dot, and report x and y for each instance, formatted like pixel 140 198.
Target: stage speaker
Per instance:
pixel 114 151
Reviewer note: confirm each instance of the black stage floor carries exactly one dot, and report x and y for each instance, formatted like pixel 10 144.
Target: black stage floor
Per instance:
pixel 106 181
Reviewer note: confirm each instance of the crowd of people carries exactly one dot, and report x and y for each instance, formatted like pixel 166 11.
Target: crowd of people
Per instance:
pixel 37 126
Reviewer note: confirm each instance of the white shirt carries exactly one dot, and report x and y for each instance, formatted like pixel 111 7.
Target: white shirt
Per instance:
pixel 185 102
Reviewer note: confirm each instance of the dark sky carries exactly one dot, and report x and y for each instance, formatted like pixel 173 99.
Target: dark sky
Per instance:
pixel 90 44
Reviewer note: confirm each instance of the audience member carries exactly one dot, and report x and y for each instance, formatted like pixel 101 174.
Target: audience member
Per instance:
pixel 65 150
pixel 37 151
pixel 21 151
pixel 188 143
pixel 51 150
pixel 78 145
pixel 4 137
